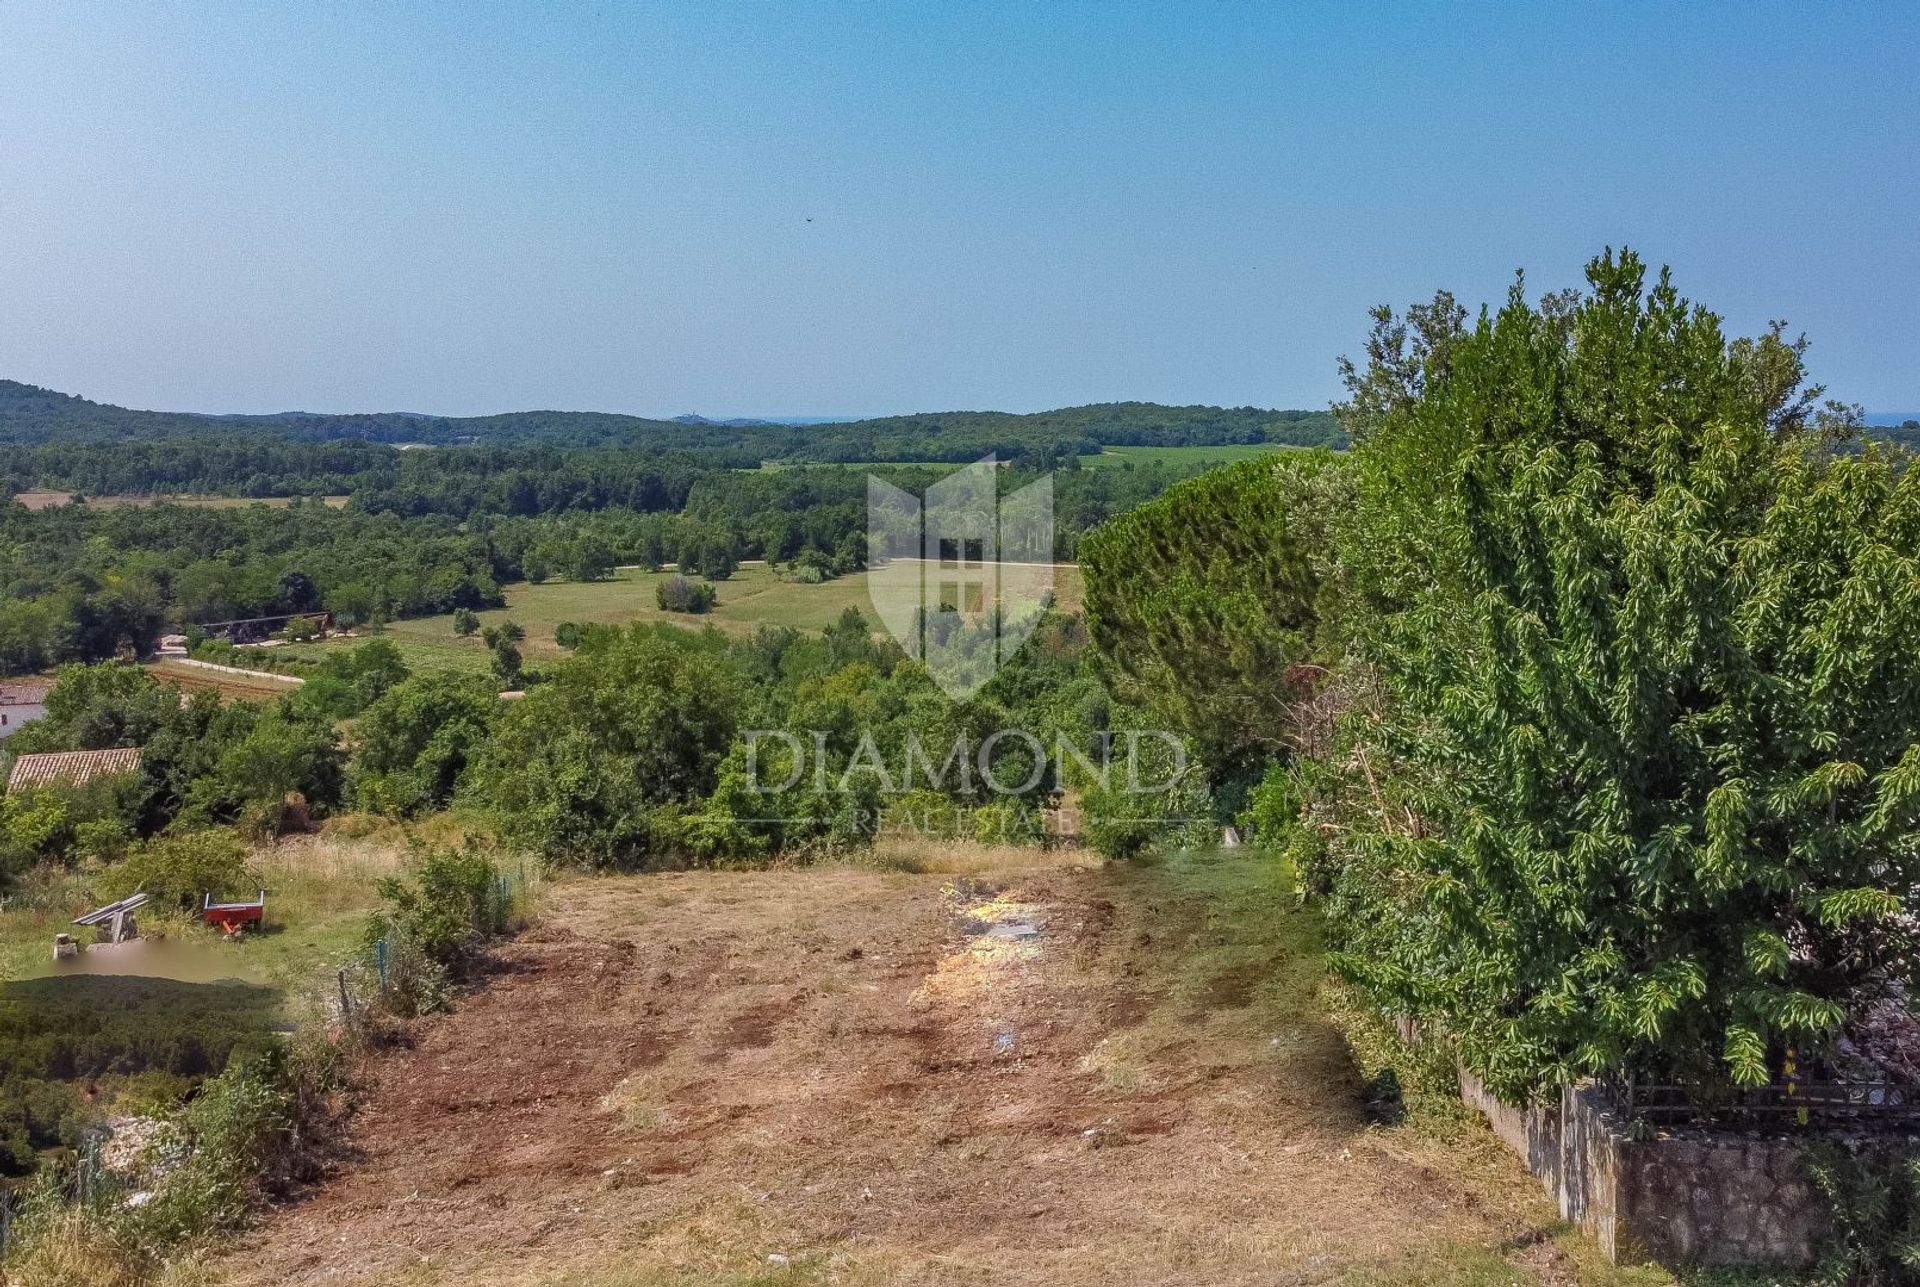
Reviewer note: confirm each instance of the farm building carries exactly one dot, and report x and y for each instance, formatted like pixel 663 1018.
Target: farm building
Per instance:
pixel 71 768
pixel 22 702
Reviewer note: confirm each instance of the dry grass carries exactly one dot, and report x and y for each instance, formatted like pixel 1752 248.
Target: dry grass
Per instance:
pixel 922 854
pixel 75 1248
pixel 1013 1069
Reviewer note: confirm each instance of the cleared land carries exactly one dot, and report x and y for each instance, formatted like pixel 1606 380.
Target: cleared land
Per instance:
pixel 752 597
pixel 51 500
pixel 1034 1074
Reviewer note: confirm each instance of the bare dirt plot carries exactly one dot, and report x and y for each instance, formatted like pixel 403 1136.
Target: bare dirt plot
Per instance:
pixel 1056 1075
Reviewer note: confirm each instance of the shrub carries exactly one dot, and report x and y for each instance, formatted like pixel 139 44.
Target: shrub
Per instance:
pixel 1873 1200
pixel 178 870
pixel 1150 796
pixel 213 1152
pixel 452 905
pixel 1006 822
pixel 64 824
pixel 678 594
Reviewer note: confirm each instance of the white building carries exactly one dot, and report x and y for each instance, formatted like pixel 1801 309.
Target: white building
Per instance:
pixel 22 702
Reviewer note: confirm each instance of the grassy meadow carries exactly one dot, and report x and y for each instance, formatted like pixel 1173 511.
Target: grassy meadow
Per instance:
pixel 754 596
pixel 1114 457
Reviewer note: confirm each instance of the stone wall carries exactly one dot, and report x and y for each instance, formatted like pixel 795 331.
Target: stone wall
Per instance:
pixel 1709 1199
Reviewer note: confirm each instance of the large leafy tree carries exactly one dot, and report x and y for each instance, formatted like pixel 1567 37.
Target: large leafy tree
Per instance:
pixel 416 741
pixel 598 765
pixel 1643 793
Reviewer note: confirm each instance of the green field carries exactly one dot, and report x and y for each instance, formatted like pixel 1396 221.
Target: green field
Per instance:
pixel 1112 457
pixel 939 466
pixel 754 596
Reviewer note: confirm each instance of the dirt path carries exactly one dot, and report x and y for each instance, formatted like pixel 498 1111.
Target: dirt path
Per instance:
pixel 1052 1076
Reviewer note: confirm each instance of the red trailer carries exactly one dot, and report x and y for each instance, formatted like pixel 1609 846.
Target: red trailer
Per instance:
pixel 231 918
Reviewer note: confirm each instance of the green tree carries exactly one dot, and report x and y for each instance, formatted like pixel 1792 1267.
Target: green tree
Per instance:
pixel 594 765
pixel 591 558
pixel 1639 789
pixel 347 681
pixel 96 707
pixel 416 742
pixel 465 622
pixel 280 754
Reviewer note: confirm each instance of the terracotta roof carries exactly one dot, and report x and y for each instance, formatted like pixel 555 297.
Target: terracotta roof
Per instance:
pixel 71 768
pixel 26 692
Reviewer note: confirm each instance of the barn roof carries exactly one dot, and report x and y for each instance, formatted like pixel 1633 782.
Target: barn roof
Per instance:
pixel 71 768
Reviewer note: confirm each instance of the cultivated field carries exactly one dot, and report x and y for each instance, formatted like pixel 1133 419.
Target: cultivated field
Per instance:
pixel 752 597
pixel 1041 1072
pixel 193 679
pixel 51 500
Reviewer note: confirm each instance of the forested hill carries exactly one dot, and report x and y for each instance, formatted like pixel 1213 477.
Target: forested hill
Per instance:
pixel 33 415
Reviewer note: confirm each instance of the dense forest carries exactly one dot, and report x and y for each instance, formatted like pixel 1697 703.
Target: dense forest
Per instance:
pixel 33 415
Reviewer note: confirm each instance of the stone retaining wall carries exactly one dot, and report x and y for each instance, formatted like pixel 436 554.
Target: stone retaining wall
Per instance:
pixel 1710 1199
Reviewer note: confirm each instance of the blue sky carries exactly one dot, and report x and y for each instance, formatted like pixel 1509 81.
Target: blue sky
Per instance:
pixel 826 209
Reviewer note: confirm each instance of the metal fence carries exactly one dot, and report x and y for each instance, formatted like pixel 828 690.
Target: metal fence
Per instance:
pixel 1786 1104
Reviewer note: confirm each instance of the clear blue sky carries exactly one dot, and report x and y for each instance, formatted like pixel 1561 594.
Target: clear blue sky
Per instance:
pixel 467 208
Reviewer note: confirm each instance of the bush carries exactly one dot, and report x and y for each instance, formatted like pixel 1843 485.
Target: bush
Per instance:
pixel 1162 801
pixel 1006 822
pixel 214 1152
pixel 678 594
pixel 1874 1203
pixel 434 925
pixel 178 870
pixel 65 824
pixel 453 904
